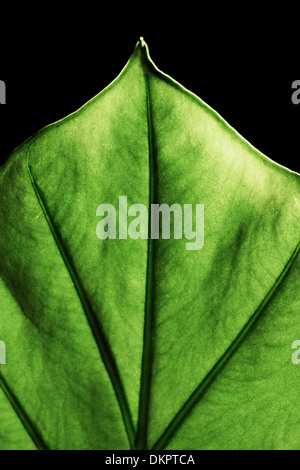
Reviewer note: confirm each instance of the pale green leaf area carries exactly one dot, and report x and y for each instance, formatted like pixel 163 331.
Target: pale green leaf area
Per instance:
pixel 119 344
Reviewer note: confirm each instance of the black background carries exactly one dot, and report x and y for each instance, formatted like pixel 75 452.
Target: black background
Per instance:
pixel 53 63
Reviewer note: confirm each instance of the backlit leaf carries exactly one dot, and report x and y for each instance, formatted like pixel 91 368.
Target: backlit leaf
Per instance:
pixel 124 343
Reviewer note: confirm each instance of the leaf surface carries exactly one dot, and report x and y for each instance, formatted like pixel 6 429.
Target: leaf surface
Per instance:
pixel 118 344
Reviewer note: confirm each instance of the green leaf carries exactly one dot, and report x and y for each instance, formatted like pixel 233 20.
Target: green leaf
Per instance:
pixel 123 343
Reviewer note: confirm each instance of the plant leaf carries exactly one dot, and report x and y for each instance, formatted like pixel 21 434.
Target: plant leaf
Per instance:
pixel 117 344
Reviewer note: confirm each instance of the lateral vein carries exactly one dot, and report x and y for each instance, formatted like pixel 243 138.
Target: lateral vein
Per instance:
pixel 102 344
pixel 29 426
pixel 203 387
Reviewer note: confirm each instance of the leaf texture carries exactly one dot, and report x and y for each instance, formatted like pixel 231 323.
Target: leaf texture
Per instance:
pixel 119 344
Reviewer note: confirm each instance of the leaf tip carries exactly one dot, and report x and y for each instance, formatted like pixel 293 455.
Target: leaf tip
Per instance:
pixel 141 44
pixel 142 47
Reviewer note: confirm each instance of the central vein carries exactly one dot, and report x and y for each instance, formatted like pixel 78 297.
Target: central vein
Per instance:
pixel 142 430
